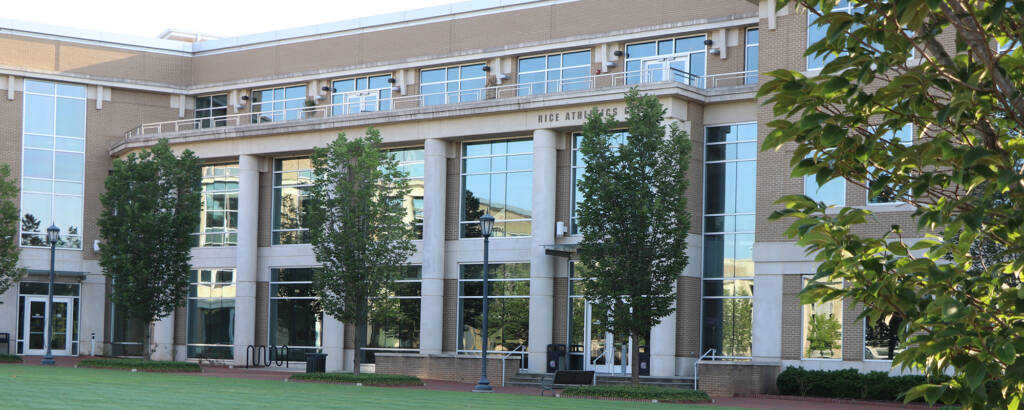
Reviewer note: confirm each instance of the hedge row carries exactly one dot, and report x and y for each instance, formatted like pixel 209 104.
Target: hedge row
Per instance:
pixel 846 384
pixel 9 358
pixel 642 392
pixel 141 365
pixel 364 378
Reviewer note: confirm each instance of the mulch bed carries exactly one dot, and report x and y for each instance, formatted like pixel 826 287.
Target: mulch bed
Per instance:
pixel 634 400
pixel 839 401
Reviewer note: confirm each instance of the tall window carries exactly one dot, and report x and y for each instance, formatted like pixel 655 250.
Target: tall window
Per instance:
pixel 730 160
pixel 292 181
pixel 449 85
pixel 126 333
pixel 679 59
pixel 882 338
pixel 218 218
pixel 31 336
pixel 211 111
pixel 394 323
pixel 361 94
pixel 497 178
pixel 750 56
pixel 888 195
pixel 410 160
pixel 823 328
pixel 579 168
pixel 815 33
pixel 554 72
pixel 278 104
pixel 211 314
pixel 295 320
pixel 53 162
pixel 508 320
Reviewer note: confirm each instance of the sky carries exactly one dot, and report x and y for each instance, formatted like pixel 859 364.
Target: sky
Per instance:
pixel 224 18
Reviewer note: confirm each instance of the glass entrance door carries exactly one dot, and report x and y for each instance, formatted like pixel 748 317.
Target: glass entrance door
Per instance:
pixel 675 68
pixel 35 326
pixel 604 352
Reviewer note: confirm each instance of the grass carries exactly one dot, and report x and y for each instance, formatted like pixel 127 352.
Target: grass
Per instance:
pixel 141 365
pixel 9 358
pixel 642 392
pixel 62 387
pixel 365 378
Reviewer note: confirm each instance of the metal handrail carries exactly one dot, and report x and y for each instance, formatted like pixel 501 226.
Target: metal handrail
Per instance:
pixel 520 348
pixel 597 81
pixel 711 352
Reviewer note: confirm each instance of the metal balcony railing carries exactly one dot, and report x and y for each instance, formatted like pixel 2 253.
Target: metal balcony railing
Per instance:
pixel 364 101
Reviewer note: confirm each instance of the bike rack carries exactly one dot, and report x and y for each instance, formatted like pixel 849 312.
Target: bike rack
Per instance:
pixel 265 356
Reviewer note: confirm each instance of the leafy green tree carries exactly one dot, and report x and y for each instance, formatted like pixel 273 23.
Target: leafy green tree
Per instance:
pixel 953 71
pixel 9 221
pixel 356 228
pixel 633 217
pixel 150 208
pixel 823 334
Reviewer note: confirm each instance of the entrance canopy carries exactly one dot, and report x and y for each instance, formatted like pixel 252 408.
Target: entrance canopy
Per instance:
pixel 565 250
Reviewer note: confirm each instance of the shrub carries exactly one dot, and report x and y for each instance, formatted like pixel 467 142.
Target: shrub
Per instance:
pixel 642 392
pixel 846 384
pixel 365 378
pixel 9 358
pixel 141 365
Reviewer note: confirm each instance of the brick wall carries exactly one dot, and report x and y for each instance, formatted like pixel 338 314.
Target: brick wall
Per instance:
pixel 563 184
pixel 724 379
pixel 262 306
pixel 446 367
pixel 688 317
pixel 451 315
pixel 265 208
pixel 853 331
pixel 791 312
pixel 181 325
pixel 559 311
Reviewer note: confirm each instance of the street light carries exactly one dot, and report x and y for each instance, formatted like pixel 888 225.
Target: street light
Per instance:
pixel 52 236
pixel 484 385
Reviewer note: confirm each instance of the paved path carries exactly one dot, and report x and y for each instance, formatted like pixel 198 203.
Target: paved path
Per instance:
pixel 743 402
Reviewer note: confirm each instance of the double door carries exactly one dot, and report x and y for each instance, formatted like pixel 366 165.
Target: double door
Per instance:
pixel 35 320
pixel 604 352
pixel 676 68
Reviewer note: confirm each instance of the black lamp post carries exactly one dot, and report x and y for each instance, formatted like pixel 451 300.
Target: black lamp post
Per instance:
pixel 484 385
pixel 52 236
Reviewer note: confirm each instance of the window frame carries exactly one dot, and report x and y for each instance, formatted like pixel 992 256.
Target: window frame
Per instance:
pixel 419 326
pixel 382 103
pixel 271 298
pixel 459 341
pixel 459 92
pixel 462 183
pixel 257 118
pixel 560 82
pixel 804 321
pixel 689 60
pixel 896 350
pixel 188 317
pixel 200 235
pixel 65 237
pixel 890 135
pixel 210 120
pixel 751 78
pixel 276 199
pixel 848 8
pixel 705 233
pixel 416 226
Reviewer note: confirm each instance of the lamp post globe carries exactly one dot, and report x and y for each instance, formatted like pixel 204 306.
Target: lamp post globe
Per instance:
pixel 52 236
pixel 484 385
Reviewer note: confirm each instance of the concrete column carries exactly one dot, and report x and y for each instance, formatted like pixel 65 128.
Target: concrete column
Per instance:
pixel 542 266
pixel 162 339
pixel 766 319
pixel 245 255
pixel 432 302
pixel 334 340
pixel 663 346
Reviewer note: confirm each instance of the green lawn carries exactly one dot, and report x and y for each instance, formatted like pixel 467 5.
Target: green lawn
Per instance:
pixel 41 387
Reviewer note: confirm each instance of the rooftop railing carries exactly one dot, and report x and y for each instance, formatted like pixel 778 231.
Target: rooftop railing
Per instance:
pixel 364 101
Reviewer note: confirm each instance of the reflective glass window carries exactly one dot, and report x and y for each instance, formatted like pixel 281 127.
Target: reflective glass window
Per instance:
pixel 882 338
pixel 579 168
pixel 750 57
pixel 497 178
pixel 278 104
pixel 508 307
pixel 394 323
pixel 410 161
pixel 292 181
pixel 295 320
pixel 211 111
pixel 680 59
pixel 363 94
pixel 218 215
pixel 823 328
pixel 53 158
pixel 449 85
pixel 554 73
pixel 211 314
pixel 815 33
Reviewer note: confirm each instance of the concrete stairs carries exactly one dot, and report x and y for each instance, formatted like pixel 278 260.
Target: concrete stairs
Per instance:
pixel 537 379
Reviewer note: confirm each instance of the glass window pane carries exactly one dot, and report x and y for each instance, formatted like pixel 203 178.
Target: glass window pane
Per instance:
pixel 39 115
pixel 831 193
pixel 432 76
pixel 71 188
pixel 640 50
pixel 577 58
pixel 69 219
pixel 68 90
pixel 531 64
pixel 70 144
pixel 44 87
pixel 823 330
pixel 471 71
pixel 71 117
pixel 35 212
pixel 38 141
pixel 752 36
pixel 688 44
pixel 665 47
pixel 520 195
pixel 38 164
pixel 36 185
pixel 69 166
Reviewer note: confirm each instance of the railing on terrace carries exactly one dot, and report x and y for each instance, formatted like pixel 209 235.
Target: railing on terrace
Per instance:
pixel 369 101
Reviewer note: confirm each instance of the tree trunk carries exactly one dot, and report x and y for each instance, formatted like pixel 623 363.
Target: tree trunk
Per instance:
pixel 634 362
pixel 147 339
pixel 358 348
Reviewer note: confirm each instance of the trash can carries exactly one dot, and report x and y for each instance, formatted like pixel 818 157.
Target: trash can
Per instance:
pixel 556 357
pixel 316 362
pixel 645 361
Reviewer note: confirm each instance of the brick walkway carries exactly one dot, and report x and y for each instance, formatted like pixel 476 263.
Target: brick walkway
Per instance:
pixel 743 402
